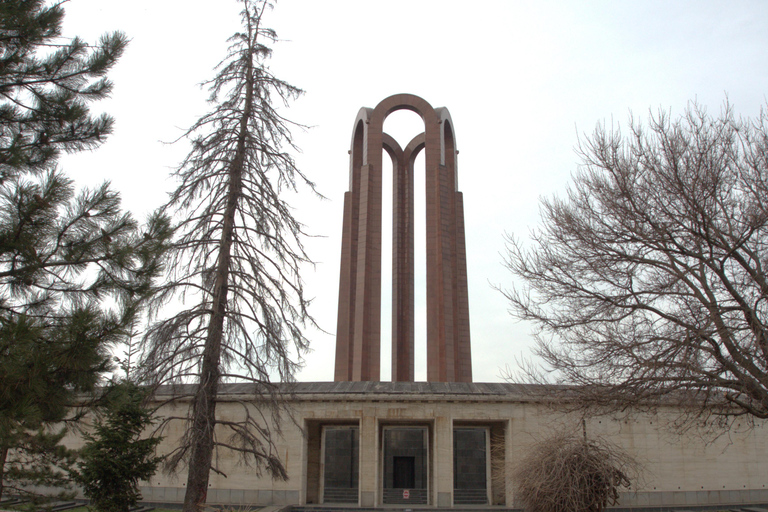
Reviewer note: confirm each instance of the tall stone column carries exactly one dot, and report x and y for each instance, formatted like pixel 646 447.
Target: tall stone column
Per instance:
pixel 369 461
pixel 443 457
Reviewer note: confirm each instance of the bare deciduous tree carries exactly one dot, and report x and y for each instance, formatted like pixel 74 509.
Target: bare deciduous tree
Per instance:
pixel 647 281
pixel 237 258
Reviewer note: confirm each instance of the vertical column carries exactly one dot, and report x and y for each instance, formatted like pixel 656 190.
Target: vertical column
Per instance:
pixel 446 266
pixel 443 471
pixel 402 268
pixel 434 309
pixel 311 463
pixel 435 284
pixel 344 332
pixel 369 460
pixel 463 370
pixel 508 453
pixel 346 358
pixel 441 277
pixel 448 333
pixel 366 342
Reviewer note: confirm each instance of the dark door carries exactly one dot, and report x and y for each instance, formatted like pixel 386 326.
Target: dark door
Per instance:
pixel 404 472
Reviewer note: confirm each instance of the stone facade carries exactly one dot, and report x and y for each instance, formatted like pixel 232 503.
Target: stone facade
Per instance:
pixel 678 470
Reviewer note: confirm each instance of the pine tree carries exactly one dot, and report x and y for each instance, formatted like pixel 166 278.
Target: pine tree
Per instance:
pixel 73 267
pixel 45 93
pixel 238 255
pixel 115 456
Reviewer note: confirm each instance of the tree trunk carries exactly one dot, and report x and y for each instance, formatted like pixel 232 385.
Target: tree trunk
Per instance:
pixel 204 405
pixel 3 458
pixel 204 422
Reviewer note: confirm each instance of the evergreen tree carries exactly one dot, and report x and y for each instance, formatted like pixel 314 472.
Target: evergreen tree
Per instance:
pixel 238 254
pixel 115 457
pixel 73 266
pixel 45 85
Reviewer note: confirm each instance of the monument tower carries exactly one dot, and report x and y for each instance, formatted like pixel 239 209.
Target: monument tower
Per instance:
pixel 358 335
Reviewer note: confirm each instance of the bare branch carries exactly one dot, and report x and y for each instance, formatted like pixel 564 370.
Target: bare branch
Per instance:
pixel 646 282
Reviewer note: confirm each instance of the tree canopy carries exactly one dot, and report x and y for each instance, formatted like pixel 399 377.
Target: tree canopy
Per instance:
pixel 74 267
pixel 115 456
pixel 45 94
pixel 647 281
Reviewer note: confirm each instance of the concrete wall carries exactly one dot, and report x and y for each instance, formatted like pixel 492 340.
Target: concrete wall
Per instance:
pixel 699 467
pixel 692 469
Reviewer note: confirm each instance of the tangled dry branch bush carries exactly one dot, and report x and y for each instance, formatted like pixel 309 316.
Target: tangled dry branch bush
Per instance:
pixel 568 473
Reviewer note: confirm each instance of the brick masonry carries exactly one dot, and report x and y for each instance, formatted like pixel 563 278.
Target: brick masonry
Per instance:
pixel 358 338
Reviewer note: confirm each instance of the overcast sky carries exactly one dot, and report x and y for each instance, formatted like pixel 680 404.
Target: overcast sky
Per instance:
pixel 522 80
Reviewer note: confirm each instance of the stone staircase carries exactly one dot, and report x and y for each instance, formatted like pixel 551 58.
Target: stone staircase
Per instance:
pixel 487 508
pixel 761 508
pixel 61 506
pixel 395 508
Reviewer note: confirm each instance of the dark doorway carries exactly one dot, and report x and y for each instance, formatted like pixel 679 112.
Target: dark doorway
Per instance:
pixel 470 459
pixel 405 465
pixel 405 472
pixel 340 468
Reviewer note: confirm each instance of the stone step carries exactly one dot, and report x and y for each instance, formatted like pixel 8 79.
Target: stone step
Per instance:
pixel 389 508
pixel 58 506
pixel 140 508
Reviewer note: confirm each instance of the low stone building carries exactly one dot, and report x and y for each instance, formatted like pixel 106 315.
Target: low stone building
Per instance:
pixel 377 444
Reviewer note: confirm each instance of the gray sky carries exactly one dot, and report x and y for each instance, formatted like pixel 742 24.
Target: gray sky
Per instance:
pixel 522 80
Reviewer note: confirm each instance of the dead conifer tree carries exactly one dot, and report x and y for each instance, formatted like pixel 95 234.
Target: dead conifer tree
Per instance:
pixel 235 265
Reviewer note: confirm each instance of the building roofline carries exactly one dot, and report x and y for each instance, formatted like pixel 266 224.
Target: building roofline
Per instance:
pixel 378 391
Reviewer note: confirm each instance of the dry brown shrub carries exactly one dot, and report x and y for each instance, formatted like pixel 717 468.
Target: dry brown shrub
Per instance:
pixel 567 473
